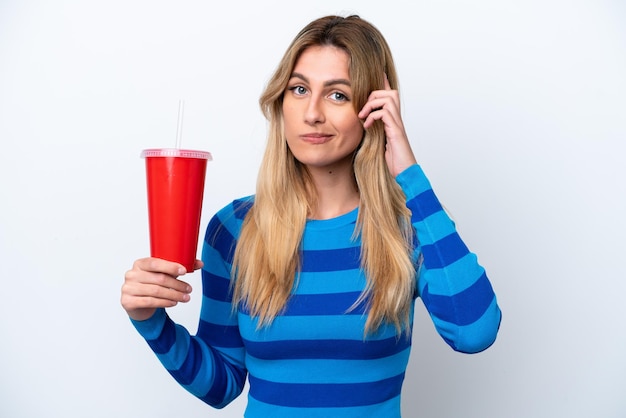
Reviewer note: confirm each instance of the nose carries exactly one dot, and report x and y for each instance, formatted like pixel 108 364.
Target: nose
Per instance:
pixel 314 113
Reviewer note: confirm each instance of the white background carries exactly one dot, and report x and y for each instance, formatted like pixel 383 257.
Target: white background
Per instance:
pixel 515 110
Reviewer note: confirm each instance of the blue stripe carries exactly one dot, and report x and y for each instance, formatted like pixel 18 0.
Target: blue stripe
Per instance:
pixel 331 282
pixel 455 278
pixel 475 337
pixel 325 304
pixel 216 287
pixel 219 335
pixel 390 408
pixel 242 206
pixel 216 393
pixel 228 380
pixel 325 395
pixel 423 205
pixel 463 308
pixel 348 327
pixel 331 260
pixel 330 371
pixel 218 313
pixel 189 369
pixel 164 342
pixel 444 252
pixel 436 227
pixel 220 238
pixel 326 349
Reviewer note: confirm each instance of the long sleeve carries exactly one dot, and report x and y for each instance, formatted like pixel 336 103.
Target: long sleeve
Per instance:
pixel 452 284
pixel 210 364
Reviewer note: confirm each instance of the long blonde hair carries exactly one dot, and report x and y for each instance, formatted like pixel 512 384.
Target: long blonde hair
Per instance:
pixel 266 260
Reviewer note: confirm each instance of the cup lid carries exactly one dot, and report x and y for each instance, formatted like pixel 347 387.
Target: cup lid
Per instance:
pixel 176 152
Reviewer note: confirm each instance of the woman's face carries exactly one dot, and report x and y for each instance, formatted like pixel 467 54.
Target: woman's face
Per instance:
pixel 321 126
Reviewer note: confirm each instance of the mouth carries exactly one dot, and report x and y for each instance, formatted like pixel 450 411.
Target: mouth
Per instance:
pixel 316 138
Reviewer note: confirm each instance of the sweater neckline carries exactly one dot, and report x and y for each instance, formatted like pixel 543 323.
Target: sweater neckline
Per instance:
pixel 338 221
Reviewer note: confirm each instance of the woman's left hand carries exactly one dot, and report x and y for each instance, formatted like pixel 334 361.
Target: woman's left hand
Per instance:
pixel 384 105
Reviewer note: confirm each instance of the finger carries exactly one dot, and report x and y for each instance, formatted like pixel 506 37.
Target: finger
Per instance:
pixel 379 99
pixel 159 265
pixel 155 291
pixel 373 104
pixel 374 115
pixel 198 265
pixel 133 304
pixel 141 296
pixel 378 108
pixel 158 279
pixel 169 282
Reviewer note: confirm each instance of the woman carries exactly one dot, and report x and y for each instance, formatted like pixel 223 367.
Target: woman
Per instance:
pixel 309 285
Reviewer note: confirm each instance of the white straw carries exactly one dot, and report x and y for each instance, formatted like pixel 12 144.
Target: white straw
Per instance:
pixel 179 127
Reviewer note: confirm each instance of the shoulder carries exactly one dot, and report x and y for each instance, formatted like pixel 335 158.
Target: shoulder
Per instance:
pixel 227 221
pixel 237 209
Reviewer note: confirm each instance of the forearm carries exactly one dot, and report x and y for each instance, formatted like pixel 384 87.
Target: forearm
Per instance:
pixel 193 364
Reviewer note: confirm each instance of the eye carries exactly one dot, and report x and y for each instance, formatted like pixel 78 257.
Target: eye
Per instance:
pixel 339 97
pixel 298 90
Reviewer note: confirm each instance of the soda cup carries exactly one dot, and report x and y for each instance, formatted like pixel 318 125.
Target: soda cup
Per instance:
pixel 175 187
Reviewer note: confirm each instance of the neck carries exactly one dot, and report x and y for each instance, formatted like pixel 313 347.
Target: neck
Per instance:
pixel 337 193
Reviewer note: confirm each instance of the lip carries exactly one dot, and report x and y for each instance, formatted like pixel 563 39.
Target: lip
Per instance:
pixel 316 138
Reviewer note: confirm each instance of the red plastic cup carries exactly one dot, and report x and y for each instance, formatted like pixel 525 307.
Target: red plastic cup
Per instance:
pixel 175 186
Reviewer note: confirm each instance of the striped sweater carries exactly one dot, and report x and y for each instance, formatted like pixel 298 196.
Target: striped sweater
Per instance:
pixel 313 360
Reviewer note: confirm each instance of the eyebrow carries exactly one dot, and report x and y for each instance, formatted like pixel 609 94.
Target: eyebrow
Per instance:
pixel 326 83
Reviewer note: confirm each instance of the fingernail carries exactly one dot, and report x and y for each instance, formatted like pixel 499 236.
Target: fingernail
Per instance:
pixel 181 271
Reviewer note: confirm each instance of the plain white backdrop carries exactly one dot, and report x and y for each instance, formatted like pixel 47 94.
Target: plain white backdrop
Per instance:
pixel 515 110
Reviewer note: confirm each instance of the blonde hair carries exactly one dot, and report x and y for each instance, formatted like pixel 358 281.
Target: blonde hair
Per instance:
pixel 266 260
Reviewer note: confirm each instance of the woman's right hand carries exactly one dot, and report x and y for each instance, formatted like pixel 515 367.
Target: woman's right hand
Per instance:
pixel 153 283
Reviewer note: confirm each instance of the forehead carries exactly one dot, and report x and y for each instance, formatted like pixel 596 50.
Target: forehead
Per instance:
pixel 323 62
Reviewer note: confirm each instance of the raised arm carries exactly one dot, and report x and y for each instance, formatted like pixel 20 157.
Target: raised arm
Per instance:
pixel 452 284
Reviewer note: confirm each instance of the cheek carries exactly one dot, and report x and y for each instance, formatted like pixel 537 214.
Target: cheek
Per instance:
pixel 288 116
pixel 354 130
pixel 286 120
